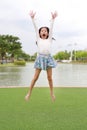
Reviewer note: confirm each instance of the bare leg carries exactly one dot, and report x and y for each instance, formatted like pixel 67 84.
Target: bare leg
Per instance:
pixel 36 75
pixel 49 76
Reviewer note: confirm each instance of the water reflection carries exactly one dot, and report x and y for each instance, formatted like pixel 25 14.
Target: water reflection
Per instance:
pixel 71 75
pixel 64 75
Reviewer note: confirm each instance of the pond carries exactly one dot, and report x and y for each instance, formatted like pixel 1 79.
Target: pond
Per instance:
pixel 64 75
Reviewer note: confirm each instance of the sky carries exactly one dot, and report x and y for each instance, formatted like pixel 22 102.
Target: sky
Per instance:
pixel 70 27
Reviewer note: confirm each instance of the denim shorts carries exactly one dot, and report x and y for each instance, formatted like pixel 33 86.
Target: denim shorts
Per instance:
pixel 44 62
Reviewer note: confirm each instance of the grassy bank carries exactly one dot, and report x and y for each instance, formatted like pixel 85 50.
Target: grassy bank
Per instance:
pixel 16 63
pixel 68 112
pixel 7 65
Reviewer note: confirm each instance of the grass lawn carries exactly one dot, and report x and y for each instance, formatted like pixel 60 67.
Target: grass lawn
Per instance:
pixel 68 112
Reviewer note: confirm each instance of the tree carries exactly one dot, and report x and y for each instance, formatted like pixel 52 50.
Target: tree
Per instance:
pixel 14 46
pixel 81 55
pixel 9 44
pixel 63 55
pixel 22 55
pixel 3 46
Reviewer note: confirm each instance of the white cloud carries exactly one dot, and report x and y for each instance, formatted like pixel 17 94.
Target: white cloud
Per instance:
pixel 69 27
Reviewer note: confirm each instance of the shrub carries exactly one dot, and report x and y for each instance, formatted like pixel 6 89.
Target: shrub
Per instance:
pixel 22 62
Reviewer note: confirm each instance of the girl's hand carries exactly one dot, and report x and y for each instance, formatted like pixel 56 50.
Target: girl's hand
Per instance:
pixel 54 15
pixel 32 14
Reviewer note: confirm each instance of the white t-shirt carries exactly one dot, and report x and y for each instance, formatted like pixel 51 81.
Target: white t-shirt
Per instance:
pixel 44 45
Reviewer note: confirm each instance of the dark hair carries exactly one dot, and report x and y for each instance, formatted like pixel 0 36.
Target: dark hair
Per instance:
pixel 42 28
pixel 47 31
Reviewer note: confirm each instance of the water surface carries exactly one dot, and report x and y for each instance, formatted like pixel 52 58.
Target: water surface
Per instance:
pixel 64 75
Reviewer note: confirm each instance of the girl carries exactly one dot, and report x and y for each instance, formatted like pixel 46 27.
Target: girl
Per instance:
pixel 44 60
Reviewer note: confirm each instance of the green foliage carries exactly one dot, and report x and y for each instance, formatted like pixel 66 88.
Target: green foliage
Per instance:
pixel 10 48
pixel 9 45
pixel 21 62
pixel 33 57
pixel 24 56
pixel 81 55
pixel 62 55
pixel 3 46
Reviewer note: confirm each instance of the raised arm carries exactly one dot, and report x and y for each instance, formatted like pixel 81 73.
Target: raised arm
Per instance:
pixel 32 15
pixel 54 15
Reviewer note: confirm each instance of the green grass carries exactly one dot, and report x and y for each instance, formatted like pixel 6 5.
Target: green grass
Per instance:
pixel 7 65
pixel 68 112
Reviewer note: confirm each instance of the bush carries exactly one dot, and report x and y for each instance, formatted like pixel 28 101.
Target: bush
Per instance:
pixel 22 62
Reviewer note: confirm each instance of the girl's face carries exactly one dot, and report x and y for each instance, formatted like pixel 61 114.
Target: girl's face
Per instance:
pixel 44 33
